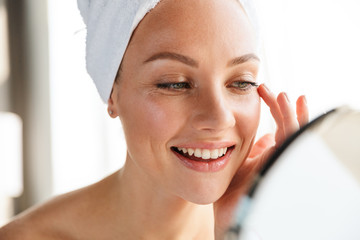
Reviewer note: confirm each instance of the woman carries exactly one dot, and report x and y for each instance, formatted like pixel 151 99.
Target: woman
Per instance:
pixel 187 97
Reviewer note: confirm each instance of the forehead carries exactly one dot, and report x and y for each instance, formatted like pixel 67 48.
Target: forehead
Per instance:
pixel 190 26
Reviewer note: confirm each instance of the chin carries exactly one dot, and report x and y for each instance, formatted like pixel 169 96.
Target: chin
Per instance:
pixel 204 200
pixel 204 195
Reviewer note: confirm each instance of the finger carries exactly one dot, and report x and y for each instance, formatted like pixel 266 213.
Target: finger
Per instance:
pixel 289 120
pixel 270 100
pixel 302 111
pixel 264 143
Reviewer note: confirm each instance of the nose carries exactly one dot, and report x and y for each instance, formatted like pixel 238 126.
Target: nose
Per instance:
pixel 212 112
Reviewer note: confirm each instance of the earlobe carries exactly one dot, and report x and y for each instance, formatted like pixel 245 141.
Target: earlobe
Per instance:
pixel 111 106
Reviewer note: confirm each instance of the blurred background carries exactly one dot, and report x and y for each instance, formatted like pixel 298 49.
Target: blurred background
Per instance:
pixel 55 134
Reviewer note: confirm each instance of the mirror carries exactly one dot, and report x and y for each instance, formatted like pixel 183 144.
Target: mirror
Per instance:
pixel 310 188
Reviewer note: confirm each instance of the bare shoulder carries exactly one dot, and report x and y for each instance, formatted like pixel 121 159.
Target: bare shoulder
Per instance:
pixel 63 217
pixel 46 221
pixel 33 224
pixel 15 230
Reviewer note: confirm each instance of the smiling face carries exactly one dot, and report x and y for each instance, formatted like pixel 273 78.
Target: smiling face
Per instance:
pixel 186 97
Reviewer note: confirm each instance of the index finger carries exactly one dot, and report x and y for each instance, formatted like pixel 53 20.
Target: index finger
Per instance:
pixel 271 101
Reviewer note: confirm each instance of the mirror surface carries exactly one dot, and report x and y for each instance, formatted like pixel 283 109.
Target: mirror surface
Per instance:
pixel 310 189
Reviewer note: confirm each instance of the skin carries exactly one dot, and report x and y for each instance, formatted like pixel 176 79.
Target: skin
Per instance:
pixel 155 196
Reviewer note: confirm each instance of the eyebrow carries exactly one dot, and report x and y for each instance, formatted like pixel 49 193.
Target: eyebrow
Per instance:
pixel 243 59
pixel 173 56
pixel 193 63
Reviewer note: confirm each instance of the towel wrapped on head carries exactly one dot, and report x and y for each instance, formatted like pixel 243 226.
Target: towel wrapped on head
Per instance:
pixel 110 24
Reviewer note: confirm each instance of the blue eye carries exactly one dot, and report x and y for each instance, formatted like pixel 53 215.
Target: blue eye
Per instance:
pixel 174 86
pixel 243 85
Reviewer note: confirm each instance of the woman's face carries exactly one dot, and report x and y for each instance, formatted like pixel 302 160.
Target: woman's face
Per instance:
pixel 186 87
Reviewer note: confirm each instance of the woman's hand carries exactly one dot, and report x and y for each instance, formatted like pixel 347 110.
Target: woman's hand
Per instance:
pixel 287 123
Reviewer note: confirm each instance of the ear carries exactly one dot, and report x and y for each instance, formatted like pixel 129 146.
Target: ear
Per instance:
pixel 111 105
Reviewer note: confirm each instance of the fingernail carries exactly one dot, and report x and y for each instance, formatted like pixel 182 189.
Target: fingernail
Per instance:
pixel 266 87
pixel 287 97
pixel 305 100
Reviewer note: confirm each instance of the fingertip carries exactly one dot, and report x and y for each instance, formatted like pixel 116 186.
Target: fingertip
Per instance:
pixel 302 110
pixel 282 98
pixel 261 88
pixel 263 92
pixel 302 100
pixel 301 105
pixel 265 87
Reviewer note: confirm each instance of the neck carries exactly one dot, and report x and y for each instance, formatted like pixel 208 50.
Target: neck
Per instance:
pixel 151 212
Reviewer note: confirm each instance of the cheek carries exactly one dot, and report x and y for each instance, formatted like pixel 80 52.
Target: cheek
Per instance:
pixel 148 125
pixel 161 119
pixel 150 121
pixel 247 114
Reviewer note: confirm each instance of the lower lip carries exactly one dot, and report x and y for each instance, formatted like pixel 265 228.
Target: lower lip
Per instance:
pixel 213 165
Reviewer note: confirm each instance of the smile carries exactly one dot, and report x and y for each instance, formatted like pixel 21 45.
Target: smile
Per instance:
pixel 203 154
pixel 204 160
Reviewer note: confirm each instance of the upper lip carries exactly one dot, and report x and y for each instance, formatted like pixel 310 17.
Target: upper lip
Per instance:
pixel 206 145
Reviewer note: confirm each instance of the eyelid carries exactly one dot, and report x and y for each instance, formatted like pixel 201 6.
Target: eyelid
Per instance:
pixel 236 86
pixel 254 84
pixel 173 82
pixel 172 78
pixel 169 85
pixel 245 77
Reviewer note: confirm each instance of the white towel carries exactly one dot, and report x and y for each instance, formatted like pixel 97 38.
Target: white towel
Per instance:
pixel 110 24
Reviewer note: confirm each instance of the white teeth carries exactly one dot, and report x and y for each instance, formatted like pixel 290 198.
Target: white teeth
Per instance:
pixel 190 151
pixel 197 153
pixel 204 153
pixel 214 154
pixel 221 151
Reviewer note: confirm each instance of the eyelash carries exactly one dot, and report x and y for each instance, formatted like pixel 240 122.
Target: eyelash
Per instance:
pixel 178 86
pixel 247 87
pixel 174 86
